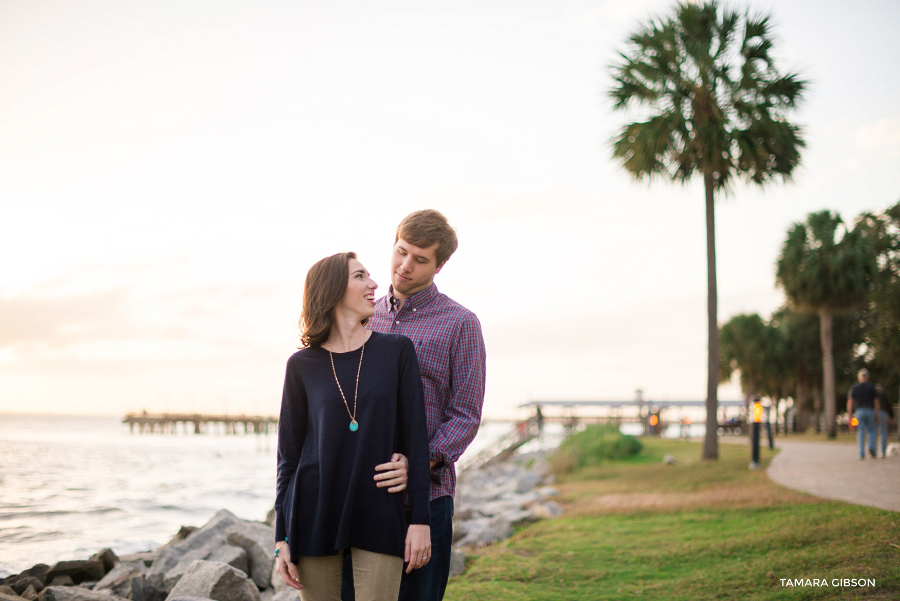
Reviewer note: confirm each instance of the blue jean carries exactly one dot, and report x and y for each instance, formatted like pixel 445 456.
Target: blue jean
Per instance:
pixel 866 419
pixel 883 429
pixel 428 583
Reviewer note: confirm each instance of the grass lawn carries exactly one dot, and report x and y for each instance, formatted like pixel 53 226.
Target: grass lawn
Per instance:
pixel 693 531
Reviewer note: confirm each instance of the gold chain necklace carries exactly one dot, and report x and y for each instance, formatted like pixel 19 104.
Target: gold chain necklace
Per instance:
pixel 354 425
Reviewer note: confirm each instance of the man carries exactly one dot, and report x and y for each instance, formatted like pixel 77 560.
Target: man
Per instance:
pixel 866 398
pixel 450 349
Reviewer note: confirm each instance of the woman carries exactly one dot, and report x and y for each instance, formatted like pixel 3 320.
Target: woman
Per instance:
pixel 352 398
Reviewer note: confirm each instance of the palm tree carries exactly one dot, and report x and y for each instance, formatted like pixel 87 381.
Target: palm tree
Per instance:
pixel 744 348
pixel 881 315
pixel 825 268
pixel 803 361
pixel 717 108
pixel 756 350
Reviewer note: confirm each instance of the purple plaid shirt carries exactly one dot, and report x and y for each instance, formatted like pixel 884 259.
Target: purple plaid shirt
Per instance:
pixel 450 349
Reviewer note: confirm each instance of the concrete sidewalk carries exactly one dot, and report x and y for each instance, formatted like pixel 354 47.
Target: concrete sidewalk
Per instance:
pixel 834 471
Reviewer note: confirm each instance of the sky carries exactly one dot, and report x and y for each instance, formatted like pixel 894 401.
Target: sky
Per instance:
pixel 169 171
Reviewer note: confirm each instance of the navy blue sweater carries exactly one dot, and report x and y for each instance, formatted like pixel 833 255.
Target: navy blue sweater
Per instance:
pixel 326 497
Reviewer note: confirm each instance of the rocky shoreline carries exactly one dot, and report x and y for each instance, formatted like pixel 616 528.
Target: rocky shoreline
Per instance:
pixel 230 559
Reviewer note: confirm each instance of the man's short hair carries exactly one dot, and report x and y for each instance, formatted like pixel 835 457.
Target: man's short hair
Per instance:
pixel 424 228
pixel 863 373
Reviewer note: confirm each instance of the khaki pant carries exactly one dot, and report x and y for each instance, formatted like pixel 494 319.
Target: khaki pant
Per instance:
pixel 376 576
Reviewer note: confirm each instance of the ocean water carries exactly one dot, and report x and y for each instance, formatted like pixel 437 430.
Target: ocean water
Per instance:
pixel 70 486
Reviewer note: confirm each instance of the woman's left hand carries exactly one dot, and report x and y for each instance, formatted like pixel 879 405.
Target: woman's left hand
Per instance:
pixel 418 546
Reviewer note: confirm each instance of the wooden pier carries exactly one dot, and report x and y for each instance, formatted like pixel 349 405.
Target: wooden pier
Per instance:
pixel 167 423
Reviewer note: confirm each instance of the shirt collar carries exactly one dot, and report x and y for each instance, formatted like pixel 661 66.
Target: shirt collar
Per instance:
pixel 419 299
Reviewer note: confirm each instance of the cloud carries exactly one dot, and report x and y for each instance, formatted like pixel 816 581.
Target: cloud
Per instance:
pixel 63 320
pixel 879 138
pixel 526 204
pixel 621 11
pixel 38 321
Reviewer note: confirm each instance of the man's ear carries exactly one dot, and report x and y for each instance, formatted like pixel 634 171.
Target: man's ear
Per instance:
pixel 441 266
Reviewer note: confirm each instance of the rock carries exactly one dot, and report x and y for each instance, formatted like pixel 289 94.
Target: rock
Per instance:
pixel 464 513
pixel 107 557
pixel 88 584
pixel 548 491
pixel 78 570
pixel 457 562
pixel 39 571
pixel 176 549
pixel 76 593
pixel 23 582
pixel 183 533
pixel 214 580
pixel 9 597
pixel 258 540
pixel 289 594
pixel 550 509
pixel 497 528
pixel 8 590
pixel 528 481
pixel 217 550
pixel 118 580
pixel 62 580
pixel 669 460
pixel 30 593
pixel 270 517
pixel 148 557
pixel 143 590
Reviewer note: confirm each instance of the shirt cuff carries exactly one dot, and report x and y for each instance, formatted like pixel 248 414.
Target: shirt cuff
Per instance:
pixel 439 458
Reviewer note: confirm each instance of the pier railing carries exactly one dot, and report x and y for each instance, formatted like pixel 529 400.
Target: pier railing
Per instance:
pixel 165 423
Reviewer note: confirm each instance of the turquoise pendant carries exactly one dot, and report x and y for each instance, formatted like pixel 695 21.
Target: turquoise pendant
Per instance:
pixel 353 425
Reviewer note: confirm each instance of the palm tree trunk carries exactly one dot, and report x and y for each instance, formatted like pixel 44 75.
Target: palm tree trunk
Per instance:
pixel 817 405
pixel 801 403
pixel 710 441
pixel 828 369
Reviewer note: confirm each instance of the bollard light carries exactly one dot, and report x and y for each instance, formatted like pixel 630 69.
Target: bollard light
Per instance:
pixel 757 412
pixel 854 422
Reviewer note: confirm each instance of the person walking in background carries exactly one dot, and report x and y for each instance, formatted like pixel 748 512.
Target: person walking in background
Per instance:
pixel 885 416
pixel 451 353
pixel 864 396
pixel 351 398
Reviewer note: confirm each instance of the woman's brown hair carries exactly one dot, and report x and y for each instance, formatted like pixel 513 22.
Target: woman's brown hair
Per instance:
pixel 326 283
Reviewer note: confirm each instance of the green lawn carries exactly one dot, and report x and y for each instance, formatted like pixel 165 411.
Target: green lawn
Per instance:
pixel 697 530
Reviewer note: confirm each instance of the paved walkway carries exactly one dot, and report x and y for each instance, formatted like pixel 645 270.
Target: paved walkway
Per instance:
pixel 834 471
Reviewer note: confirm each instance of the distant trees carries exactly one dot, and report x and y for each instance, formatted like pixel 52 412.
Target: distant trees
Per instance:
pixel 825 268
pixel 750 347
pixel 843 288
pixel 880 317
pixel 717 108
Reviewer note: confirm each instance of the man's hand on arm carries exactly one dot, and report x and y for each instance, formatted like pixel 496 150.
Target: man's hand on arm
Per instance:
pixel 393 474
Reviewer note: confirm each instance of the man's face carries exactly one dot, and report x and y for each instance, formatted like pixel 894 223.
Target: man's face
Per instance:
pixel 412 268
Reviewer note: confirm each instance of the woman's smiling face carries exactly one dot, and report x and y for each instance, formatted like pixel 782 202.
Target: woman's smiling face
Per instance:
pixel 359 298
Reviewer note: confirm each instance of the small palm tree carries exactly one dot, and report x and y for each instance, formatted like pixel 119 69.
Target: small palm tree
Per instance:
pixel 825 268
pixel 717 108
pixel 744 349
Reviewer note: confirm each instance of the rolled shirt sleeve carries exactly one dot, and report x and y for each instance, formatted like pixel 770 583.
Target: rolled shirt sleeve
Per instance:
pixel 462 416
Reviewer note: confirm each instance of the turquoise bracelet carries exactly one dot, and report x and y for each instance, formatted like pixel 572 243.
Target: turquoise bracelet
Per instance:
pixel 277 550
